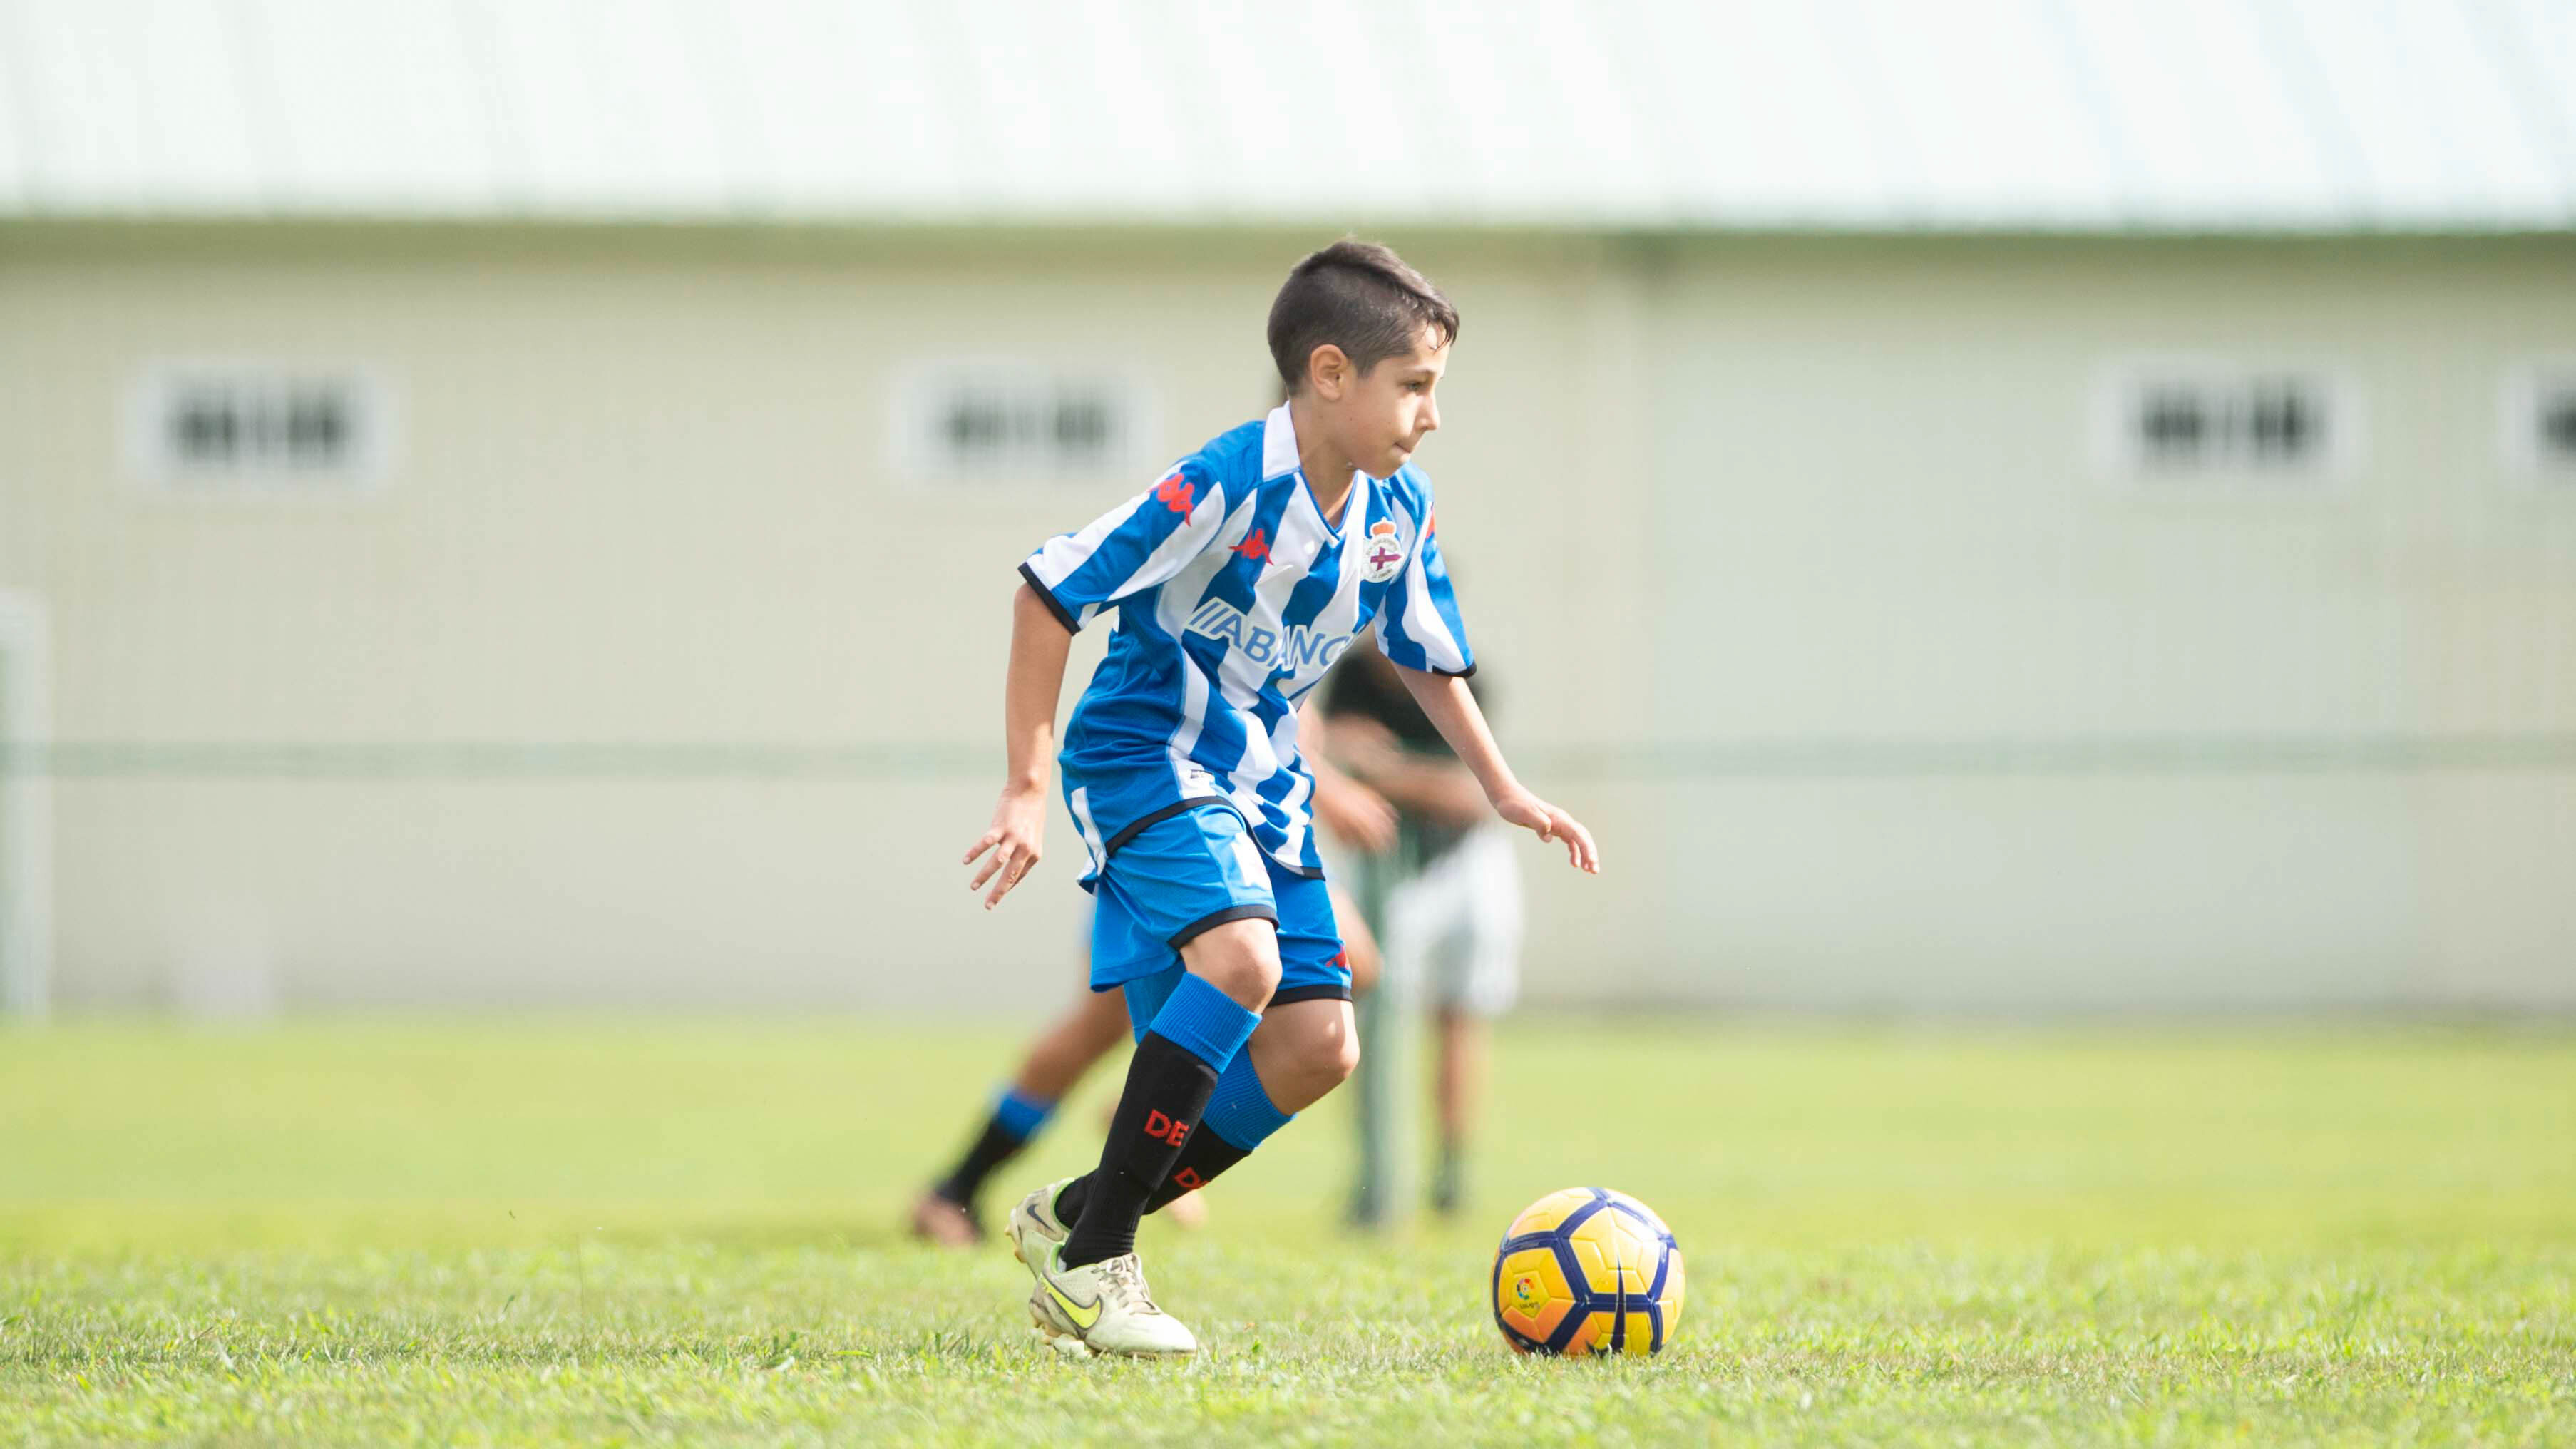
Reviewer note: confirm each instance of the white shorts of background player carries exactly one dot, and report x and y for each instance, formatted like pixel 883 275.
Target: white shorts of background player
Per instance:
pixel 1453 933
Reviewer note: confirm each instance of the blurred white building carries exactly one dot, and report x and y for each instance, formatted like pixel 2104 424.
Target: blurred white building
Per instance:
pixel 1991 506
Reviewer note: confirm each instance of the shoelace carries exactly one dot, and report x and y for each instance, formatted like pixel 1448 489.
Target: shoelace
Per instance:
pixel 1127 1274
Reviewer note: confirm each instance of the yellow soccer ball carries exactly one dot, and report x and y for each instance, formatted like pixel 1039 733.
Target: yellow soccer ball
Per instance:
pixel 1587 1270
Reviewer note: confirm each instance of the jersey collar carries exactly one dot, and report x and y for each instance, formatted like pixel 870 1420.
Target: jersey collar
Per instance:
pixel 1279 459
pixel 1278 445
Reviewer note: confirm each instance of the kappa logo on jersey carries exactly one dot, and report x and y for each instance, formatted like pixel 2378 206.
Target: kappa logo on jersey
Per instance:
pixel 1305 644
pixel 1384 555
pixel 1176 492
pixel 1255 546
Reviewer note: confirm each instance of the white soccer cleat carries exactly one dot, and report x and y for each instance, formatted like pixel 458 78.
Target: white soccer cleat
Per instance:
pixel 1104 1307
pixel 1034 1228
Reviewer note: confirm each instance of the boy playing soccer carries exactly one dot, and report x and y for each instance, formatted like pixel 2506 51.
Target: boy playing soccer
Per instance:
pixel 1239 578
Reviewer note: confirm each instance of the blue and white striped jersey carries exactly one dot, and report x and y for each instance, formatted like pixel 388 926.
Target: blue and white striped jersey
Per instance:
pixel 1234 596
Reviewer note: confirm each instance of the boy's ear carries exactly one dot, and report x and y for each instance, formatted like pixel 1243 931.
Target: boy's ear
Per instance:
pixel 1328 371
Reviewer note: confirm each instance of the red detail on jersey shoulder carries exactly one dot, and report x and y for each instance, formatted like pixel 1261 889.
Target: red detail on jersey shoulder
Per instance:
pixel 1255 546
pixel 1176 493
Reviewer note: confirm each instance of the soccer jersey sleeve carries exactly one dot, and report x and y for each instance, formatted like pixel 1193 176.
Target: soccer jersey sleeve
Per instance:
pixel 1129 549
pixel 1419 626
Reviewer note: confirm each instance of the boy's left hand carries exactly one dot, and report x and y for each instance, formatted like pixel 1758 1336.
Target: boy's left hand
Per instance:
pixel 1529 812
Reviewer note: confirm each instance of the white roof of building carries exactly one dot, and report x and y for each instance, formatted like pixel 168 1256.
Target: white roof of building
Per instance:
pixel 1857 115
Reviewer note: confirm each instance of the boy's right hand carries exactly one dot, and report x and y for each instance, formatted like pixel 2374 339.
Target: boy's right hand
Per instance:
pixel 1017 832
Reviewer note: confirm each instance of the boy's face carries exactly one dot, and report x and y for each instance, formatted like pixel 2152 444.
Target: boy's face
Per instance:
pixel 1377 418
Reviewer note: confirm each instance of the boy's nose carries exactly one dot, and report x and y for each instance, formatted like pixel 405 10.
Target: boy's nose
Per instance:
pixel 1430 417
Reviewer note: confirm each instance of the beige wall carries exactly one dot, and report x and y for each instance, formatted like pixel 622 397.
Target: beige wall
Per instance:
pixel 2182 749
pixel 1787 556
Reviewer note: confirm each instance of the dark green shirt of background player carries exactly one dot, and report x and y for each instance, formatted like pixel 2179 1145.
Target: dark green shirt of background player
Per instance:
pixel 1364 685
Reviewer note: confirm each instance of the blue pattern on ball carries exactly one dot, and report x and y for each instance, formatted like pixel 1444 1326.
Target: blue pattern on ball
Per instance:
pixel 1588 1300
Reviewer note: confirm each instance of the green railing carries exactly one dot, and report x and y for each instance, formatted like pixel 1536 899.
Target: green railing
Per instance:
pixel 929 762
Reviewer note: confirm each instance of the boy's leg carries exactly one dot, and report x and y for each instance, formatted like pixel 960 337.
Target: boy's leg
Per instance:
pixel 1196 874
pixel 1456 1088
pixel 1192 885
pixel 1229 971
pixel 1056 1060
pixel 1305 1047
pixel 1303 1050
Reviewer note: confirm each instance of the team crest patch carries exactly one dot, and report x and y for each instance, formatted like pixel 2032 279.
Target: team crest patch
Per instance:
pixel 1382 555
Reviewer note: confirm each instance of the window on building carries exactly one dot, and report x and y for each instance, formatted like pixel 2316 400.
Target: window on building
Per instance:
pixel 218 428
pixel 1005 422
pixel 2184 423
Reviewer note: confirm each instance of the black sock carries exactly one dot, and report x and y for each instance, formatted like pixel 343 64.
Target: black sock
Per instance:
pixel 993 1146
pixel 1202 1158
pixel 1167 1089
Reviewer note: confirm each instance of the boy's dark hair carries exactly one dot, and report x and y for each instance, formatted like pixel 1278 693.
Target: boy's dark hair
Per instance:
pixel 1361 298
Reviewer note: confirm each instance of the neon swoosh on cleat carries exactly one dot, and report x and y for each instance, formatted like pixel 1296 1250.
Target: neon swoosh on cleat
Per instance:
pixel 1083 1314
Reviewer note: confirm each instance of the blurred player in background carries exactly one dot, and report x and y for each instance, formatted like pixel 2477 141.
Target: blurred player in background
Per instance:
pixel 1450 923
pixel 1096 1024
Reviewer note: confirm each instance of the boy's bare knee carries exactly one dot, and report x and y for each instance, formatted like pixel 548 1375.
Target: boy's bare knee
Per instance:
pixel 1343 1058
pixel 1327 1059
pixel 1239 958
pixel 1303 1051
pixel 1326 1064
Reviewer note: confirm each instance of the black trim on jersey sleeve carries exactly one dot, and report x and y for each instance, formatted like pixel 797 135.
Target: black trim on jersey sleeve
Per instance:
pixel 1207 923
pixel 1467 673
pixel 1063 615
pixel 1295 994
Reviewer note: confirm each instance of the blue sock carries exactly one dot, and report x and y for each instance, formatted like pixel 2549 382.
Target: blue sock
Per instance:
pixel 1020 1114
pixel 1016 1117
pixel 1240 1111
pixel 1145 995
pixel 1204 1021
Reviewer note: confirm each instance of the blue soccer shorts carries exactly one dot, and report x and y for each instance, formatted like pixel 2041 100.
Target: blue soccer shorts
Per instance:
pixel 1180 876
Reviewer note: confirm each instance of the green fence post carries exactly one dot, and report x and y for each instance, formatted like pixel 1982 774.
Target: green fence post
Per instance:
pixel 1383 1189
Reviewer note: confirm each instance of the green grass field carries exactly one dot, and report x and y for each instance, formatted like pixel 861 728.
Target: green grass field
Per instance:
pixel 660 1231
